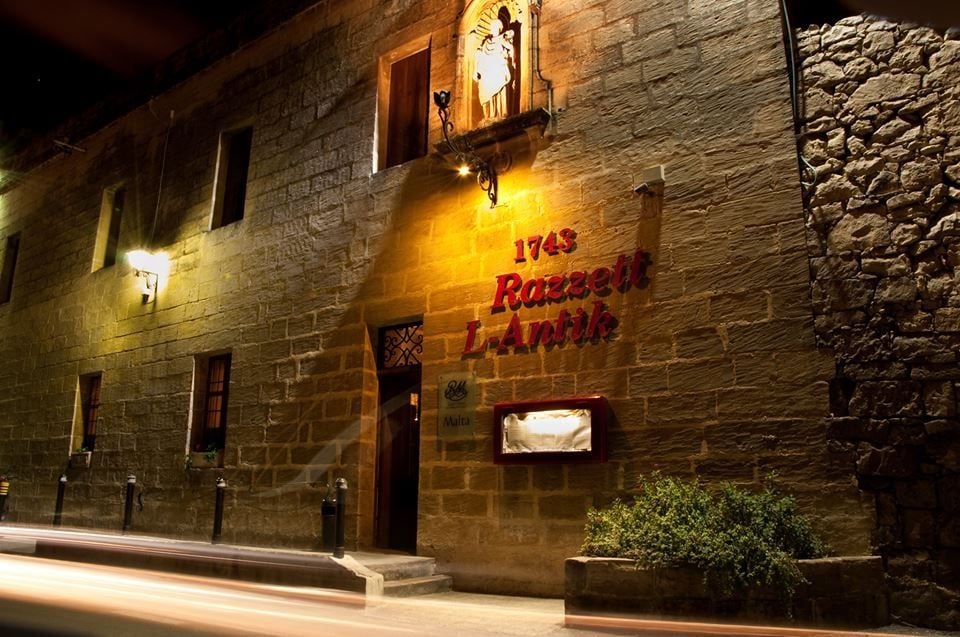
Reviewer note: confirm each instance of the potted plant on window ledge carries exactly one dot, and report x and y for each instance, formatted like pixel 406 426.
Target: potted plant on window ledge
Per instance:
pixel 211 457
pixel 80 459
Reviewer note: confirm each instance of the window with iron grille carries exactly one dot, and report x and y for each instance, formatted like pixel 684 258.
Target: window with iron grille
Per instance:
pixel 90 405
pixel 211 429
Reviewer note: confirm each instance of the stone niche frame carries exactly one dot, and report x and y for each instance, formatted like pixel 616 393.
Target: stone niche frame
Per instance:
pixel 476 13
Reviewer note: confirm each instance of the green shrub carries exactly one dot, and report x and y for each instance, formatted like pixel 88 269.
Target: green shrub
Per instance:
pixel 740 539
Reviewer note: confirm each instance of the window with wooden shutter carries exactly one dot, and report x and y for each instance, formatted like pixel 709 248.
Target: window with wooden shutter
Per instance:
pixel 106 248
pixel 232 174
pixel 10 254
pixel 113 236
pixel 408 109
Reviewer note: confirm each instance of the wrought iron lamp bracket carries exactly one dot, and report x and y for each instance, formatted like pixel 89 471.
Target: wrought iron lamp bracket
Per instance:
pixel 487 170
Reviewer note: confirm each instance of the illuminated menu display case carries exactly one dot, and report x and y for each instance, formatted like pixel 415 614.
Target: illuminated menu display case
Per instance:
pixel 551 431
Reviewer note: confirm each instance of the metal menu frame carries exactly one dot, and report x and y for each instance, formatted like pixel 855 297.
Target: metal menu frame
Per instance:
pixel 599 417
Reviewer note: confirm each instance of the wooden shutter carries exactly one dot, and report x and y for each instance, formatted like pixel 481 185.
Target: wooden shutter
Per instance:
pixel 409 108
pixel 9 266
pixel 113 235
pixel 235 187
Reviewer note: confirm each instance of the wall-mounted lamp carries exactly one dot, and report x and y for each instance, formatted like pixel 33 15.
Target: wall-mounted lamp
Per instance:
pixel 651 181
pixel 650 189
pixel 148 267
pixel 468 161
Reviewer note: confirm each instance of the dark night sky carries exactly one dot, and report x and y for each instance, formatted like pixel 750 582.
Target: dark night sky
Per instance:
pixel 64 55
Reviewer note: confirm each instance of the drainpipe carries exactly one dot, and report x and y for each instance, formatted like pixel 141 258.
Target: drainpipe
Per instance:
pixel 535 8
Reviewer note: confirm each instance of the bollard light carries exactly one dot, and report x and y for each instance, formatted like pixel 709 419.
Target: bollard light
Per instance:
pixel 341 505
pixel 128 502
pixel 328 520
pixel 218 510
pixel 58 509
pixel 4 491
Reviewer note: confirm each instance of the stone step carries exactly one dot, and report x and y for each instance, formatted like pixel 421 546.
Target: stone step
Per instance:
pixel 397 567
pixel 418 586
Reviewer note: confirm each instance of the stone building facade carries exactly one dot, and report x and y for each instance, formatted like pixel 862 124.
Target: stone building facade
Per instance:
pixel 710 367
pixel 881 128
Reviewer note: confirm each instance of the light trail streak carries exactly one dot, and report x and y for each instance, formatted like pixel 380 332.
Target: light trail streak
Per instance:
pixel 197 602
pixel 224 606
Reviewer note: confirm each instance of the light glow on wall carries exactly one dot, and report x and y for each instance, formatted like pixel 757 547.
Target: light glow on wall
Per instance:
pixel 151 270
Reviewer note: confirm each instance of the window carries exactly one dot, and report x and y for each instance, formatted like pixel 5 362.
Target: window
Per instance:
pixel 231 186
pixel 106 249
pixel 9 266
pixel 213 389
pixel 405 99
pixel 90 409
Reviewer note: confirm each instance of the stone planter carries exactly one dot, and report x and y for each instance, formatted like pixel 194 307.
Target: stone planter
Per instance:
pixel 842 592
pixel 80 459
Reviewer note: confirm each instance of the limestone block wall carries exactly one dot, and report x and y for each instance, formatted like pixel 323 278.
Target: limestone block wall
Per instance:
pixel 881 126
pixel 712 370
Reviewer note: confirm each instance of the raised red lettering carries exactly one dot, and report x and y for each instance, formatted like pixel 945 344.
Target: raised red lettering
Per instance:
pixel 579 325
pixel 598 280
pixel 638 269
pixel 560 327
pixel 577 285
pixel 555 287
pixel 471 339
pixel 532 291
pixel 541 333
pixel 619 273
pixel 507 285
pixel 601 322
pixel 513 336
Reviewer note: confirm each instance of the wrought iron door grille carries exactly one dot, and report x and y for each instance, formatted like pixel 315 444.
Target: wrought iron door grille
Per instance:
pixel 401 345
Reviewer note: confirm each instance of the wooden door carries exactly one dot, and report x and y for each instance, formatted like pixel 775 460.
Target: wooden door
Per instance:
pixel 398 438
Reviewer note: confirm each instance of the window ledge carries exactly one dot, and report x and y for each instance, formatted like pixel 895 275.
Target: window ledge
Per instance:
pixel 205 460
pixel 233 224
pixel 530 123
pixel 80 459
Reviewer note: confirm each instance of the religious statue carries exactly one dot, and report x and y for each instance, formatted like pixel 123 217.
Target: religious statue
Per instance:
pixel 494 70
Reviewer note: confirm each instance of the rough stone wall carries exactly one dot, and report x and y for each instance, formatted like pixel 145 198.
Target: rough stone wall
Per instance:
pixel 713 370
pixel 881 125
